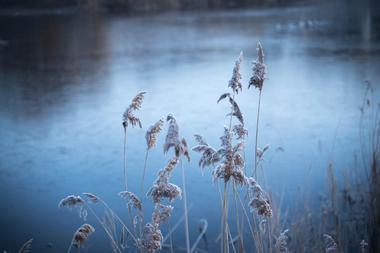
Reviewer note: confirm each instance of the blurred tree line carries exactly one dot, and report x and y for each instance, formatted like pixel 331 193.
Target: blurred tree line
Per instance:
pixel 142 5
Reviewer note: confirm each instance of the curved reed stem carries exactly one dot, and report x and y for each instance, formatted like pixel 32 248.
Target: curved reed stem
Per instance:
pixel 200 236
pixel 116 246
pixel 119 219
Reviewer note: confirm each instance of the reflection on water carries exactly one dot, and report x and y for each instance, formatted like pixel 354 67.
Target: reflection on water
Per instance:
pixel 66 79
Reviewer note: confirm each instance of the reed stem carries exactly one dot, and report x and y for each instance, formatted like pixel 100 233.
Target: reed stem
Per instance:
pixel 257 134
pixel 125 159
pixel 143 176
pixel 185 208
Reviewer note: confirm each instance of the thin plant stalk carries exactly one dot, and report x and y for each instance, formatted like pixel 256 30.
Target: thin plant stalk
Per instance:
pixel 125 159
pixel 105 228
pixel 224 239
pixel 185 208
pixel 239 230
pixel 144 171
pixel 118 218
pixel 170 237
pixel 257 134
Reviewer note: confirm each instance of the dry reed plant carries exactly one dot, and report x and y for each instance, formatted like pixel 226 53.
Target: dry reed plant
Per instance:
pixel 151 141
pixel 257 80
pixel 228 166
pixel 228 160
pixel 130 119
pixel 180 147
pixel 149 238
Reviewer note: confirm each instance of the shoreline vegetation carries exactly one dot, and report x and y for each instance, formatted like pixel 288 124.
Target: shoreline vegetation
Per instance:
pixel 251 217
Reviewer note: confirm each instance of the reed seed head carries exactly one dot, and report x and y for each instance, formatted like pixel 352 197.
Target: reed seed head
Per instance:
pixel 92 197
pixel 128 116
pixel 282 242
pixel 153 131
pixel 235 81
pixel 71 201
pixel 151 239
pixel 259 69
pixel 161 213
pixel 172 136
pixel 82 234
pixel 258 200
pixel 330 245
pixel 240 131
pixel 132 199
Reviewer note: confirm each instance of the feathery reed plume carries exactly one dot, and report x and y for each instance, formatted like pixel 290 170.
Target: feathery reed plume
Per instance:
pixel 235 110
pixel 172 136
pixel 26 247
pixel 258 201
pixel 161 213
pixel 257 80
pixel 82 234
pixel 151 239
pixel 282 242
pixel 151 140
pixel 232 162
pixel 260 152
pixel 128 116
pixel 184 150
pixel 209 154
pixel 92 197
pixel 132 199
pixel 235 83
pixel 239 131
pixel 151 134
pixel 330 245
pixel 71 201
pixel 259 69
pixel 162 188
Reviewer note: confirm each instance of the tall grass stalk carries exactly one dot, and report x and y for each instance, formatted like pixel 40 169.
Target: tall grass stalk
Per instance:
pixel 185 208
pixel 257 133
pixel 125 160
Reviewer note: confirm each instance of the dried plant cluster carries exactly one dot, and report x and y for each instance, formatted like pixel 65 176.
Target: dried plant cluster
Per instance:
pixel 228 161
pixel 146 237
pixel 229 168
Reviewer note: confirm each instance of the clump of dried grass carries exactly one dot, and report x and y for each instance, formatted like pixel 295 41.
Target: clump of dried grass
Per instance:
pixel 82 234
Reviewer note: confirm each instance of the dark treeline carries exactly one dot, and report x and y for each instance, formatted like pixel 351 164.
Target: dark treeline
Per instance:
pixel 142 5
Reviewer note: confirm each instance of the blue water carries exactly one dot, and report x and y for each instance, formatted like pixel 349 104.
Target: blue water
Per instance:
pixel 66 79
